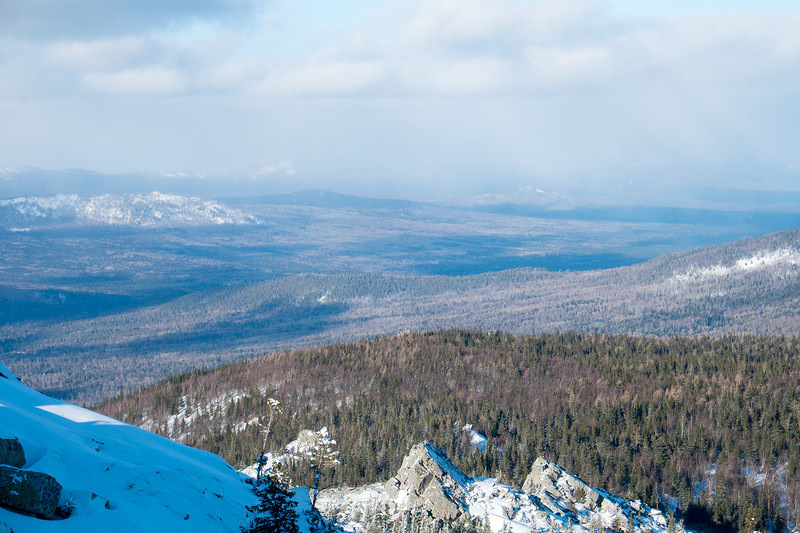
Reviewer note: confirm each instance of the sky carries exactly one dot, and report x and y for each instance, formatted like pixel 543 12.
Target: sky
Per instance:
pixel 408 97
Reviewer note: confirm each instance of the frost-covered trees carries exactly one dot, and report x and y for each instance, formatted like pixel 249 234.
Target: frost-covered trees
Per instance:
pixel 274 407
pixel 322 455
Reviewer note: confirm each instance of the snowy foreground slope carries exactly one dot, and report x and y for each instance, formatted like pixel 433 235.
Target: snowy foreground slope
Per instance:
pixel 118 477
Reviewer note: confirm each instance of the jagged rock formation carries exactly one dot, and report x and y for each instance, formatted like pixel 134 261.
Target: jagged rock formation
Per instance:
pixel 427 479
pixel 32 493
pixel 551 484
pixel 427 482
pixel 563 494
pixel 11 453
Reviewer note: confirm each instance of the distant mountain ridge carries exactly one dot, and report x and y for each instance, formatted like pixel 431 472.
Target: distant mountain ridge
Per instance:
pixel 151 210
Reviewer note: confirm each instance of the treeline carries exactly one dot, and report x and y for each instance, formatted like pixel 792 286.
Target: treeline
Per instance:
pixel 707 427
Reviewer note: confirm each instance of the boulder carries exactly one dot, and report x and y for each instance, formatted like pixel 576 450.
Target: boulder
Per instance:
pixel 11 453
pixel 31 493
pixel 550 482
pixel 428 480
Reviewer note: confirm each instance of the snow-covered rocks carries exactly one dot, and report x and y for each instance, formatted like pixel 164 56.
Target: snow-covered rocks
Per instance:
pixel 427 479
pixel 429 485
pixel 565 495
pixel 31 493
pixel 554 487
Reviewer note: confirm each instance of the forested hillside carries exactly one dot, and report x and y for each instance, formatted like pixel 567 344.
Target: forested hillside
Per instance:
pixel 746 287
pixel 707 426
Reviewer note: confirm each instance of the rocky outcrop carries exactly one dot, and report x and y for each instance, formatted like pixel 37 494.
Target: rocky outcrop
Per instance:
pixel 560 491
pixel 552 500
pixel 27 492
pixel 11 453
pixel 428 480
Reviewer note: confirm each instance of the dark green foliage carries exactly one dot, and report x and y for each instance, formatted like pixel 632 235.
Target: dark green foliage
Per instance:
pixel 639 417
pixel 275 511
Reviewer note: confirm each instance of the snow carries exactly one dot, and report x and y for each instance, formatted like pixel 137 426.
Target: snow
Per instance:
pixel 476 440
pixel 78 414
pixel 503 507
pixel 148 210
pixel 761 260
pixel 189 412
pixel 120 478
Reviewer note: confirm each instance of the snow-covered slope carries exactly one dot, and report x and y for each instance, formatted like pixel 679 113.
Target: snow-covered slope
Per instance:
pixel 782 262
pixel 142 210
pixel 118 477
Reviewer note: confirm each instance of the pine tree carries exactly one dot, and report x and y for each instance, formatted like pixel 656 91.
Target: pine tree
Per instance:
pixel 749 514
pixel 275 511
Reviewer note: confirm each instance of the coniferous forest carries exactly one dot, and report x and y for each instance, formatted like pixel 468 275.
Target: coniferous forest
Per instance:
pixel 708 428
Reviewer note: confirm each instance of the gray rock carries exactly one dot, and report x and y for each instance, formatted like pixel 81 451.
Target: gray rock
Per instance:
pixel 430 481
pixel 550 482
pixel 11 453
pixel 32 493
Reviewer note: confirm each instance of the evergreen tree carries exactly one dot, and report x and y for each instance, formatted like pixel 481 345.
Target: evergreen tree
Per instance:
pixel 275 511
pixel 749 514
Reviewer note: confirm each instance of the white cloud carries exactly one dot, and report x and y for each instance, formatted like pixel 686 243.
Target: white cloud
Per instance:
pixel 462 76
pixel 433 87
pixel 147 81
pixel 98 54
pixel 556 66
pixel 331 77
pixel 456 21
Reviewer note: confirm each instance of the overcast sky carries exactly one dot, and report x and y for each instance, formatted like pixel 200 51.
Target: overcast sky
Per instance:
pixel 408 95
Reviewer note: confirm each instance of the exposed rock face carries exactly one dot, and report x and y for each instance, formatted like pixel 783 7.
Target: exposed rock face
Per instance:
pixel 11 453
pixel 427 479
pixel 28 492
pixel 553 500
pixel 554 487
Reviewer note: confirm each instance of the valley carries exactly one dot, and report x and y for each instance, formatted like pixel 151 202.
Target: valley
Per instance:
pixel 107 293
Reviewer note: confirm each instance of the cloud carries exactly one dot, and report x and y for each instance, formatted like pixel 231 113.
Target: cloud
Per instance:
pixel 147 81
pixel 442 89
pixel 325 78
pixel 96 19
pixel 96 54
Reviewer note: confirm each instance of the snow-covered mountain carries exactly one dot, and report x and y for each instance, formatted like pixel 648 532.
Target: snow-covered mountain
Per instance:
pixel 142 210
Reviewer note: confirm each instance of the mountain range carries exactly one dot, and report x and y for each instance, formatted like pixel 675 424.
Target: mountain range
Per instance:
pixel 741 288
